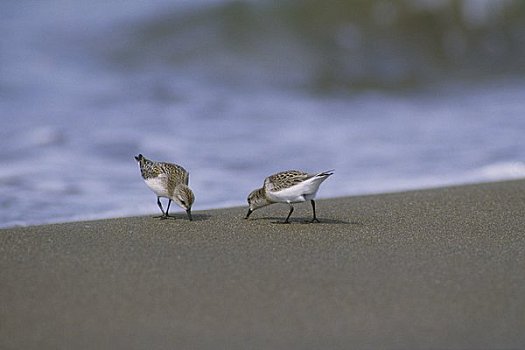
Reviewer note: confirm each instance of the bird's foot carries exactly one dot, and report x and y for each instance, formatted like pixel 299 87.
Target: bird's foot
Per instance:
pixel 163 217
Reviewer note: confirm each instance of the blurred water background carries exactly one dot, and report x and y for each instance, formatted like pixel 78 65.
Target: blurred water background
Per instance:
pixel 393 95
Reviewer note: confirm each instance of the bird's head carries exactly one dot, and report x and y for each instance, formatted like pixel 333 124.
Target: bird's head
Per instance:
pixel 256 199
pixel 184 197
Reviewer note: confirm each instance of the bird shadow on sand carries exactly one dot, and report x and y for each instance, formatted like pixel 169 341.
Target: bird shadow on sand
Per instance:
pixel 305 221
pixel 184 217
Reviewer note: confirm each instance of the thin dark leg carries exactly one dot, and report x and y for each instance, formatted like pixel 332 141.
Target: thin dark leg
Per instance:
pixel 313 209
pixel 164 215
pixel 160 206
pixel 290 213
pixel 169 203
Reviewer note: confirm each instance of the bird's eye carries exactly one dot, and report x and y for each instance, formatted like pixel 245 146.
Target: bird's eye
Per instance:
pixel 183 202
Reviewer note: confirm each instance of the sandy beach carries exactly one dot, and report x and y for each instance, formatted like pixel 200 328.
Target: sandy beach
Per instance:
pixel 431 269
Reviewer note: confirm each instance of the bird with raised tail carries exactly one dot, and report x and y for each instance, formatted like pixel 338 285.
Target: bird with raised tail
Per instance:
pixel 167 180
pixel 291 186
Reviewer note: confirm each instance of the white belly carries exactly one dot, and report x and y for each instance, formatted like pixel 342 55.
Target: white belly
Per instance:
pixel 294 194
pixel 158 185
pixel 300 192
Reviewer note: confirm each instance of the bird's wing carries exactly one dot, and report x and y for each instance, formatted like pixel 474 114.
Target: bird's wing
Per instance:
pixel 285 179
pixel 163 177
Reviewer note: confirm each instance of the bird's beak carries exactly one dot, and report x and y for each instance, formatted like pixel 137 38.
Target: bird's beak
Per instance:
pixel 189 214
pixel 249 213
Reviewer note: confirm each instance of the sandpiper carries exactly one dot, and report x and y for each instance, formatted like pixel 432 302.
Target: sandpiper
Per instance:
pixel 167 180
pixel 292 186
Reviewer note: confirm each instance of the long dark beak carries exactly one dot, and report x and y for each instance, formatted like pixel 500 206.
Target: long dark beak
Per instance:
pixel 249 213
pixel 189 214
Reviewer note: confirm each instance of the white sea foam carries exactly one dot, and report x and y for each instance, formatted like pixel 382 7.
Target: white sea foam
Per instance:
pixel 376 143
pixel 501 171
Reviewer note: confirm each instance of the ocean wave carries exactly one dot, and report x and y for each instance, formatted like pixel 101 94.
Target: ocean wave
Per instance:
pixel 325 45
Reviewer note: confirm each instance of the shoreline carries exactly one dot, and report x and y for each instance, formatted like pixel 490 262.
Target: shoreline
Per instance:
pixel 176 210
pixel 433 268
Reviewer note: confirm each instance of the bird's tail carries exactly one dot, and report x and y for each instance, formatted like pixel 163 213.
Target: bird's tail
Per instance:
pixel 325 174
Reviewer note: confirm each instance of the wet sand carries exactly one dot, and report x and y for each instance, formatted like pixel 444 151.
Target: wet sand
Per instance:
pixel 432 269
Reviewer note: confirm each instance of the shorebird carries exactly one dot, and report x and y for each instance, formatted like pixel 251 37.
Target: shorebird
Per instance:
pixel 167 180
pixel 292 186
